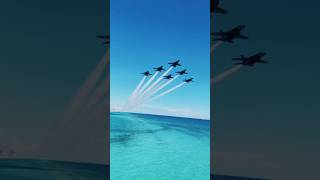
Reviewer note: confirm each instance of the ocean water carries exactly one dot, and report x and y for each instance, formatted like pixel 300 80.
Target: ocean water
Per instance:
pixel 28 169
pixel 147 147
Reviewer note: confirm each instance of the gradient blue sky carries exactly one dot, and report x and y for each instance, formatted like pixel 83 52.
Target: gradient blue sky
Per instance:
pixel 147 34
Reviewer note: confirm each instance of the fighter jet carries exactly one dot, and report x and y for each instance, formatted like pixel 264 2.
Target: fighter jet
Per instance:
pixel 250 61
pixel 107 38
pixel 214 7
pixel 147 73
pixel 182 72
pixel 159 69
pixel 168 77
pixel 188 80
pixel 230 35
pixel 175 64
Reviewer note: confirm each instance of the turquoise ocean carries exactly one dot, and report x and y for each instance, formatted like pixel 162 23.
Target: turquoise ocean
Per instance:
pixel 147 147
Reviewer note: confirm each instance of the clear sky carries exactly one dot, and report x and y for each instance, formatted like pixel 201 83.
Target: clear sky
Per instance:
pixel 146 34
pixel 268 116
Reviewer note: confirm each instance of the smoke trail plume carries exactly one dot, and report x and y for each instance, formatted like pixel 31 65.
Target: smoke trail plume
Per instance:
pixel 134 94
pixel 86 88
pixel 95 97
pixel 225 74
pixel 156 82
pixel 161 87
pixel 66 135
pixel 146 84
pixel 214 46
pixel 166 92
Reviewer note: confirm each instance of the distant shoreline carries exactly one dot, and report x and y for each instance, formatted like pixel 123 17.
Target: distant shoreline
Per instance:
pixel 121 112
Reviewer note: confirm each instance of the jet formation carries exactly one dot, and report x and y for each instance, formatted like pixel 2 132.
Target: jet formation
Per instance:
pixel 215 8
pixel 231 35
pixel 251 60
pixel 167 77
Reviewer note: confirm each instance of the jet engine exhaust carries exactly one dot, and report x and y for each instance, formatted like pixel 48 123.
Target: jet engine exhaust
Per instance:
pixel 161 87
pixel 166 92
pixel 135 92
pixel 86 88
pixel 225 74
pixel 154 83
pixel 147 84
pixel 214 46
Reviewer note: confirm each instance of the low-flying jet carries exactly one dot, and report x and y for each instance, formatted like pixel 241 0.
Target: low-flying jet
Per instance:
pixel 147 73
pixel 159 69
pixel 250 61
pixel 214 7
pixel 182 72
pixel 168 77
pixel 175 64
pixel 188 80
pixel 230 35
pixel 107 38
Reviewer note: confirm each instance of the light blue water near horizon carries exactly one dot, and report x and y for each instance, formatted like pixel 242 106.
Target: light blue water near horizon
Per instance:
pixel 159 147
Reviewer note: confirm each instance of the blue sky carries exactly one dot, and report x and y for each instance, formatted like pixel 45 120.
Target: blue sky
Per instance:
pixel 146 34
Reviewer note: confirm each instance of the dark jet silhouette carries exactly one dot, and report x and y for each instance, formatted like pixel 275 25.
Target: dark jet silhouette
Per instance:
pixel 182 72
pixel 175 64
pixel 168 77
pixel 159 69
pixel 107 38
pixel 230 35
pixel 250 61
pixel 188 80
pixel 214 7
pixel 147 73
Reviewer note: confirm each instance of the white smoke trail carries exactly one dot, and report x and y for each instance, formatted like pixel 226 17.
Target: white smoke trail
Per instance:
pixel 86 88
pixel 214 46
pixel 161 87
pixel 64 136
pixel 156 82
pixel 96 97
pixel 166 92
pixel 225 74
pixel 146 84
pixel 135 92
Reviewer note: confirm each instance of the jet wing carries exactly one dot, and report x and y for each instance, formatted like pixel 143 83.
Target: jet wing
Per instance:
pixel 219 10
